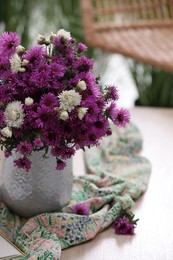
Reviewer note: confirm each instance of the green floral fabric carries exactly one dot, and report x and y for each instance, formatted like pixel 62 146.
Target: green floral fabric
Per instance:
pixel 117 177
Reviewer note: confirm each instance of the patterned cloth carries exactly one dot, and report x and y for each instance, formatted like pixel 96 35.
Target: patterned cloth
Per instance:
pixel 118 176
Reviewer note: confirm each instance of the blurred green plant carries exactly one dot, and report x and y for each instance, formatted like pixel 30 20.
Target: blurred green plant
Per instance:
pixel 29 17
pixel 155 87
pixel 14 16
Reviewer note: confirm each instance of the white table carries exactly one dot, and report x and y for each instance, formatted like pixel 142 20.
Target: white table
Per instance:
pixel 154 232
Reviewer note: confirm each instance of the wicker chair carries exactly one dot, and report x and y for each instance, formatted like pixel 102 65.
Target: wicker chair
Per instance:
pixel 140 29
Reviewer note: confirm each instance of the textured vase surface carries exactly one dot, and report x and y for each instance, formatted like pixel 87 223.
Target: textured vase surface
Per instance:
pixel 42 189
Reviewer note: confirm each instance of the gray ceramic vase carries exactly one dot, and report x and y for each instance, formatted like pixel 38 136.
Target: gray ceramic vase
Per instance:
pixel 42 189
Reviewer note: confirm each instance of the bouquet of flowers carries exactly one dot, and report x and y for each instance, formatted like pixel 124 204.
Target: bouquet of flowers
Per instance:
pixel 50 100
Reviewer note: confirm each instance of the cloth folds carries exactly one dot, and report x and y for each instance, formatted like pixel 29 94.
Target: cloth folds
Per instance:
pixel 117 177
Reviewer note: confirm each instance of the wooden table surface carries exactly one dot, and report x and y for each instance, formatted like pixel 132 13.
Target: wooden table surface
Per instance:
pixel 154 232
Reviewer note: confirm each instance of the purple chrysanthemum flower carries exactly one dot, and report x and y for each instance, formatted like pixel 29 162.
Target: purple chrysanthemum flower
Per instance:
pixel 108 132
pixel 123 226
pixel 123 117
pixel 24 148
pixel 84 64
pixel 112 111
pixel 82 47
pixel 49 100
pixel 56 151
pixel 6 75
pixel 88 77
pixel 8 43
pixel 51 137
pixel 59 42
pixel 95 90
pixel 57 70
pixel 30 112
pixel 7 93
pixel 44 117
pixel 35 55
pixel 67 153
pixel 37 142
pixel 62 47
pixel 92 138
pixel 80 209
pixel 92 112
pixel 39 77
pixel 23 163
pixel 81 130
pixel 60 165
pixel 113 92
pixel 7 154
pixel 4 63
pixel 100 103
pixel 70 58
pixel 67 130
pixel 101 125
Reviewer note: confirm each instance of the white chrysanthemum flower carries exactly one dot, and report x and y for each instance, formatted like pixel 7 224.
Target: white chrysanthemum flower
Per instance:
pixel 41 39
pixel 15 62
pixel 81 112
pixel 29 101
pixel 25 62
pixel 14 114
pixel 22 69
pixel 52 37
pixel 63 115
pixel 69 99
pixel 81 85
pixel 62 33
pixel 20 49
pixel 6 132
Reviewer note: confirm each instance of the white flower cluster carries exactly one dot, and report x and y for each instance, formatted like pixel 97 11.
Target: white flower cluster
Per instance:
pixel 17 65
pixel 6 132
pixel 62 33
pixel 81 112
pixel 69 99
pixel 14 116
